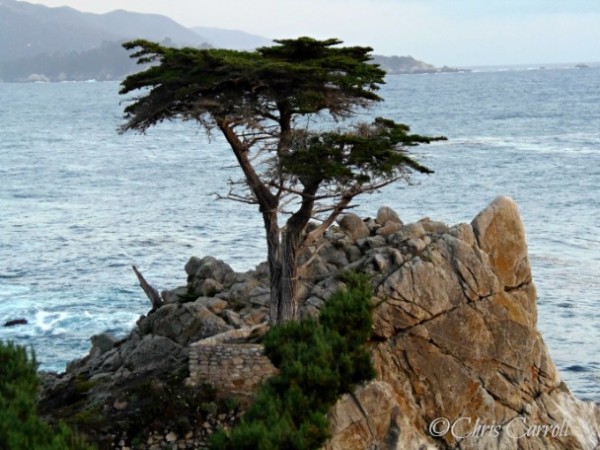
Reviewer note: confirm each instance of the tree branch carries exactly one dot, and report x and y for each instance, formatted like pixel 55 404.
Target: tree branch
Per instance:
pixel 236 198
pixel 337 210
pixel 150 292
pixel 313 254
pixel 304 194
pixel 263 195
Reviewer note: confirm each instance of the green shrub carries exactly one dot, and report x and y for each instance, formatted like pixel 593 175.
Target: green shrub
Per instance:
pixel 318 361
pixel 20 426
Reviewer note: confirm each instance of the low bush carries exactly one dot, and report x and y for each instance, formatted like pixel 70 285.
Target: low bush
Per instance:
pixel 20 426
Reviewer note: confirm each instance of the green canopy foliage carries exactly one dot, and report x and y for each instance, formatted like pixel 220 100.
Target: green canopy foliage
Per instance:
pixel 299 76
pixel 263 90
pixel 361 155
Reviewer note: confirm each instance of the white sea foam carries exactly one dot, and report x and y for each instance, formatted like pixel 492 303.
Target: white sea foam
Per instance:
pixel 46 321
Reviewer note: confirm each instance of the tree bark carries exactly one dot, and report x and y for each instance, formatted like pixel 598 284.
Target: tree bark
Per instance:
pixel 291 242
pixel 274 260
pixel 287 304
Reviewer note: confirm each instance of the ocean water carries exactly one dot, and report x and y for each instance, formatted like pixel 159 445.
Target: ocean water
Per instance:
pixel 80 203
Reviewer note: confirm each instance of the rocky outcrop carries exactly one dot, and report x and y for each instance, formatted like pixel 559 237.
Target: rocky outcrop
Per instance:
pixel 460 363
pixel 15 322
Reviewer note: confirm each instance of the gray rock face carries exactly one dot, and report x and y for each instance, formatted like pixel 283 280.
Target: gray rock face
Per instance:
pixel 183 323
pixel 207 276
pixel 102 343
pixel 152 351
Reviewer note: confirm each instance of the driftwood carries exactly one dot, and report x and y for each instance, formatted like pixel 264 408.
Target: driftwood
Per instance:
pixel 150 292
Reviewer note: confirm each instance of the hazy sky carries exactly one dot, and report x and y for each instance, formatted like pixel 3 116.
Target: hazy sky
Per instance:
pixel 452 32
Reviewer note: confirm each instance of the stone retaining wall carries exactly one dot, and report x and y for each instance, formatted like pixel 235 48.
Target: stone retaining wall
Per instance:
pixel 230 368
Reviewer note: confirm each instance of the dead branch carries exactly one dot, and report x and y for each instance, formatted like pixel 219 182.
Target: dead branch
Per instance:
pixel 150 292
pixel 331 208
pixel 249 199
pixel 236 198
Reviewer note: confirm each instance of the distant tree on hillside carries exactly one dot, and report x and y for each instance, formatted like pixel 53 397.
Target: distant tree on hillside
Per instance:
pixel 263 103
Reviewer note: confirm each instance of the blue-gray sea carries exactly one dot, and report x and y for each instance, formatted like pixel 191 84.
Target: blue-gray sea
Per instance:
pixel 80 203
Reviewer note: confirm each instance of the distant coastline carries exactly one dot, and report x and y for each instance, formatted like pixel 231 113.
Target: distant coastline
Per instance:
pixel 407 65
pixel 111 62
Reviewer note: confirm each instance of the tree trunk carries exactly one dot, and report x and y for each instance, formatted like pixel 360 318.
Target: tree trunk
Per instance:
pixel 268 206
pixel 282 251
pixel 288 306
pixel 274 260
pixel 291 243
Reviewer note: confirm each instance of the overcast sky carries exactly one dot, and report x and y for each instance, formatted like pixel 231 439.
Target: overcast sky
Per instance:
pixel 451 32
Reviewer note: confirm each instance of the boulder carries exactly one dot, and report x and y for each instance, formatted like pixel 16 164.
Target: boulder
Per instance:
pixel 334 254
pixel 102 343
pixel 183 322
pixel 386 215
pixel 354 226
pixel 152 353
pixel 500 233
pixel 15 322
pixel 207 275
pixel 214 305
pixel 389 228
pixel 179 294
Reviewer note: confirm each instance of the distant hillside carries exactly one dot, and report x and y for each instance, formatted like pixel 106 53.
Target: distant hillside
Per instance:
pixel 232 39
pixel 28 30
pixel 407 65
pixel 38 43
pixel 108 62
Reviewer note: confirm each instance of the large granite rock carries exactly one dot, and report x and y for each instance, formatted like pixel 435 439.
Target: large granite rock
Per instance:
pixel 460 363
pixel 459 360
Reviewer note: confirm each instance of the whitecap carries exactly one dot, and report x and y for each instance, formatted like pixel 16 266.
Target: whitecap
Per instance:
pixel 46 321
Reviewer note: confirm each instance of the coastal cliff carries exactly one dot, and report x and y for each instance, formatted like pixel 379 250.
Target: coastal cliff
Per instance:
pixel 459 360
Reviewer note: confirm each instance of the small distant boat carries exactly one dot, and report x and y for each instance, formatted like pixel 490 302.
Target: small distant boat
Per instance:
pixel 582 66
